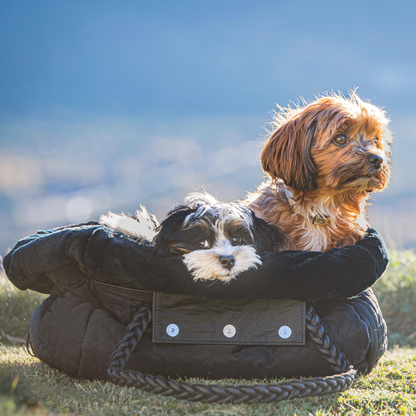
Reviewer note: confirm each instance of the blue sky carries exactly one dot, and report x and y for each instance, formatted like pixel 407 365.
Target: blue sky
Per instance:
pixel 106 105
pixel 193 58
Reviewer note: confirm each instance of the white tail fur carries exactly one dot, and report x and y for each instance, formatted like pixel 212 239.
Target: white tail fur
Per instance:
pixel 143 225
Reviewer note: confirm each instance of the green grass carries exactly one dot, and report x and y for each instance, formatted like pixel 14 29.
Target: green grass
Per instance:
pixel 16 308
pixel 389 389
pixel 27 386
pixel 396 293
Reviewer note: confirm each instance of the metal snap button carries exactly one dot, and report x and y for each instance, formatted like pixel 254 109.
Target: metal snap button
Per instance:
pixel 172 330
pixel 229 331
pixel 285 332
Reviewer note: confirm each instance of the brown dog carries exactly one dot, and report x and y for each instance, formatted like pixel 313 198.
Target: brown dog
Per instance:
pixel 323 159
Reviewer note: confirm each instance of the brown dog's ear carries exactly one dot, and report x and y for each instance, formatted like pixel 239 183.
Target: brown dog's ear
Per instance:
pixel 287 154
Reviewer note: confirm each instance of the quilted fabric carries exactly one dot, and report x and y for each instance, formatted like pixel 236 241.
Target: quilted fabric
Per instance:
pixel 57 260
pixel 75 334
pixel 91 275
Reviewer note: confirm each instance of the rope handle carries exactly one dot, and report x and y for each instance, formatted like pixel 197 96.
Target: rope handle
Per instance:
pixel 216 393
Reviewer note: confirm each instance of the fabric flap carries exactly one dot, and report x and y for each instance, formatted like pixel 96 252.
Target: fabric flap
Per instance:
pixel 190 320
pixel 121 302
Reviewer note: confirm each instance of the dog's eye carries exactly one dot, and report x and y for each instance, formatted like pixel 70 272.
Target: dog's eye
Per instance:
pixel 204 244
pixel 236 240
pixel 375 140
pixel 340 140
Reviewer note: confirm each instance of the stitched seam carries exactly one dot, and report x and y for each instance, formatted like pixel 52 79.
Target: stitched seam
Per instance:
pixel 83 341
pixel 368 336
pixel 85 254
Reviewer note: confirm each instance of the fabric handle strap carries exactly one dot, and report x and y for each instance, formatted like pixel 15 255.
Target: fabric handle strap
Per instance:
pixel 216 393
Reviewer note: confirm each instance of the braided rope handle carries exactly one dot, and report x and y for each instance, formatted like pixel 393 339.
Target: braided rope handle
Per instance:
pixel 257 393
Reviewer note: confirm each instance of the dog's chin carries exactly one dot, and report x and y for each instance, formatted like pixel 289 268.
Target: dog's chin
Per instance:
pixel 368 182
pixel 364 184
pixel 205 264
pixel 375 185
pixel 224 275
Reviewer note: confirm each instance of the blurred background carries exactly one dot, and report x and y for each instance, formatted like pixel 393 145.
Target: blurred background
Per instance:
pixel 106 105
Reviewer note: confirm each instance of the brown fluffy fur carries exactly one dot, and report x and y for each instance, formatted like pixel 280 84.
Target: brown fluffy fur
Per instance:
pixel 326 179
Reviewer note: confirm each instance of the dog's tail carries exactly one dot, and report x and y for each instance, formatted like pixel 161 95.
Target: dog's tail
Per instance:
pixel 143 225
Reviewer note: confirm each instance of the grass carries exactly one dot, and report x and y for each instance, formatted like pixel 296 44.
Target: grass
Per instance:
pixel 29 387
pixel 16 308
pixel 396 293
pixel 389 389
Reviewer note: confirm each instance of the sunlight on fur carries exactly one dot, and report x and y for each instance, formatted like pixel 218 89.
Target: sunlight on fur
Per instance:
pixel 143 225
pixel 330 154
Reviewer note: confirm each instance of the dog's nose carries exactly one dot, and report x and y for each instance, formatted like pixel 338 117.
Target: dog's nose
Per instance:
pixel 375 160
pixel 227 262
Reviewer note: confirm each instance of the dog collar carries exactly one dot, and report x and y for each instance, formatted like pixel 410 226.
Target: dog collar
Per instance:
pixel 314 219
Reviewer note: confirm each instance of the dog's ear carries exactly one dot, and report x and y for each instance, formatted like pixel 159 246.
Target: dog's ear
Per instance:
pixel 267 237
pixel 167 232
pixel 287 153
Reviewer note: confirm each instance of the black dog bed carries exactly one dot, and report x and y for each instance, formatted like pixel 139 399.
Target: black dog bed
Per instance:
pixel 98 279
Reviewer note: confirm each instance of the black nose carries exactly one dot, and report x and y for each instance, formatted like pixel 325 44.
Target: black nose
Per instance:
pixel 375 160
pixel 227 262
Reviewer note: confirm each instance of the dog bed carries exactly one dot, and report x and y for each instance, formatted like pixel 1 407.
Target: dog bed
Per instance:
pixel 98 280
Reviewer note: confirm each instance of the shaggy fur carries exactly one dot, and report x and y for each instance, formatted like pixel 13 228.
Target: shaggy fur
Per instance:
pixel 217 240
pixel 143 225
pixel 330 154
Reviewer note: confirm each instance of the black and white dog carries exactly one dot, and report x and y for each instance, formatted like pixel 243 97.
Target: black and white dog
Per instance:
pixel 217 240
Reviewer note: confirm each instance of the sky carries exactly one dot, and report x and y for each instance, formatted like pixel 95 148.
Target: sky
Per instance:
pixel 106 105
pixel 198 58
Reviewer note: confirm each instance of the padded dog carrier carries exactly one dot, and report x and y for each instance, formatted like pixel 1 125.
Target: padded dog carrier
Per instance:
pixel 116 311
